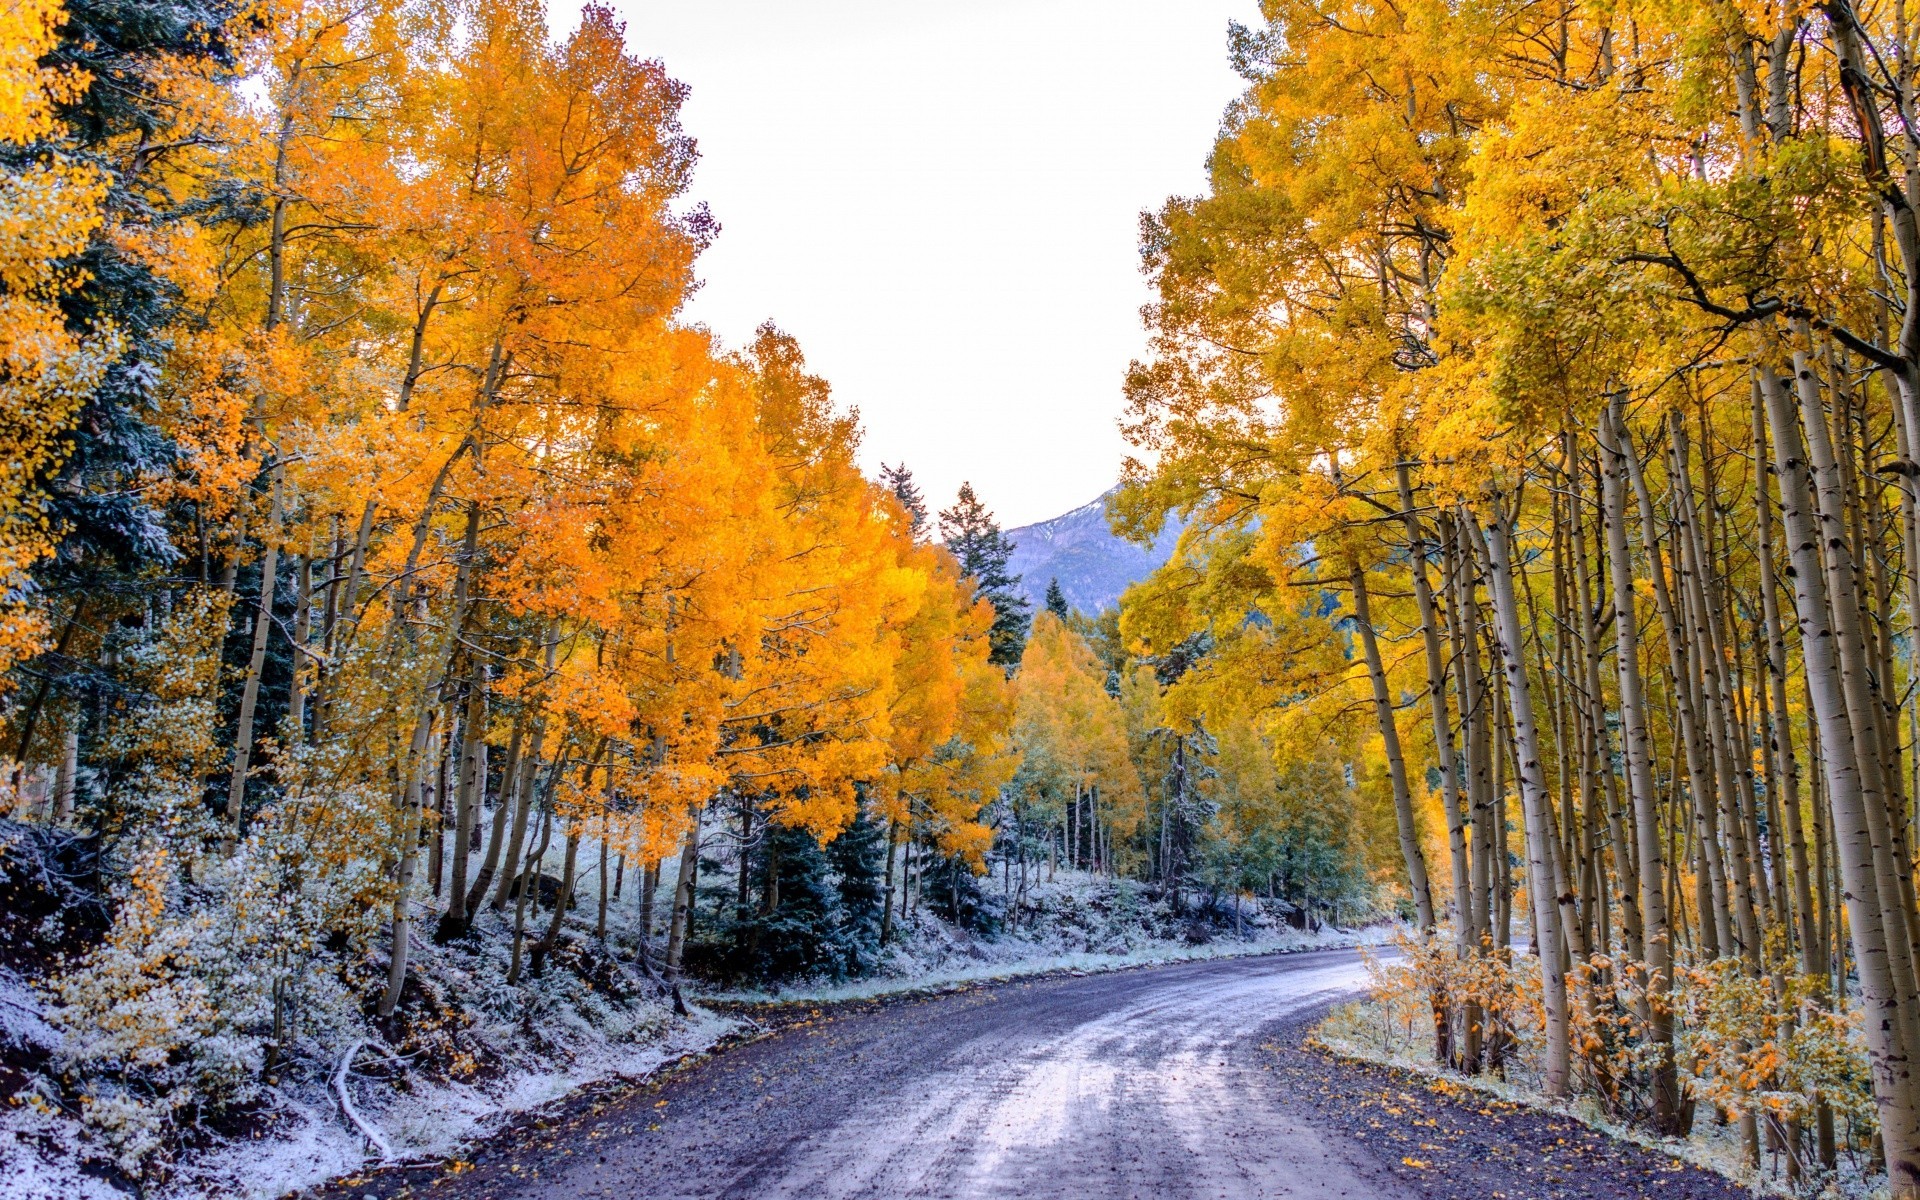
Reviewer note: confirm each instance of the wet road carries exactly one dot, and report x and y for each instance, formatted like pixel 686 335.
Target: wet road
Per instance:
pixel 1149 1083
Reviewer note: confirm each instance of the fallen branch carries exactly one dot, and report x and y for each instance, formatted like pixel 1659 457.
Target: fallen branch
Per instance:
pixel 366 1128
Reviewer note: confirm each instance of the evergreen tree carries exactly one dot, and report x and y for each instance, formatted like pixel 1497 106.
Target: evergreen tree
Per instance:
pixel 954 893
pixel 899 480
pixel 857 859
pixel 1057 600
pixel 126 125
pixel 971 533
pixel 797 931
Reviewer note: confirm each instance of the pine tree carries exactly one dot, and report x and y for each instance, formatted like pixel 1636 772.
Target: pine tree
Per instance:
pixel 798 929
pixel 856 857
pixel 954 893
pixel 1057 600
pixel 898 479
pixel 975 539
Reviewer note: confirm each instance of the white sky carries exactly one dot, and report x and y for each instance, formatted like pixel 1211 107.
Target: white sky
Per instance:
pixel 941 202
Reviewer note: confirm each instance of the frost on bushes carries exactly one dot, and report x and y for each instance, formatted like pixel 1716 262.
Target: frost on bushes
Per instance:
pixel 1748 1049
pixel 1772 1048
pixel 174 1012
pixel 135 1013
pixel 137 1009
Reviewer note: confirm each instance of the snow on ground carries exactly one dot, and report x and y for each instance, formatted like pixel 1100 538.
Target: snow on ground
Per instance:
pixel 1075 922
pixel 482 1052
pixel 588 1021
pixel 304 1140
pixel 23 1021
pixel 434 1120
pixel 40 1159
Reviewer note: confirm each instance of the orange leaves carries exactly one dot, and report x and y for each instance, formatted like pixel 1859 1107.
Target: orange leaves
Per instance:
pixel 27 90
pixel 947 709
pixel 448 334
pixel 49 208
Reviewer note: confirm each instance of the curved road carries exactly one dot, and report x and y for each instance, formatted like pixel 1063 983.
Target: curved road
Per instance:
pixel 1139 1083
pixel 1164 1083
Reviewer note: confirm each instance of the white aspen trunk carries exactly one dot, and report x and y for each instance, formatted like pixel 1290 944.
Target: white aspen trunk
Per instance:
pixel 250 691
pixel 563 899
pixel 302 628
pixel 1473 715
pixel 1707 655
pixel 1780 735
pixel 1396 764
pixel 1857 857
pixel 503 803
pixel 1457 852
pixel 886 891
pixel 1849 638
pixel 402 924
pixel 67 773
pixel 1716 922
pixel 525 793
pixel 1534 805
pixel 1638 744
pixel 415 763
pixel 473 780
pixel 682 900
pixel 1621 829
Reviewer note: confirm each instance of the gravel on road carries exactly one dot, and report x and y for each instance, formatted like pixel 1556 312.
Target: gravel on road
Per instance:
pixel 1169 1082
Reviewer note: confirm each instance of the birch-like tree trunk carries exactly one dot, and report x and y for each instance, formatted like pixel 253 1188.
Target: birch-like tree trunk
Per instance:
pixel 1450 790
pixel 1637 741
pixel 1535 805
pixel 1396 763
pixel 1858 859
pixel 466 801
pixel 256 662
pixel 683 899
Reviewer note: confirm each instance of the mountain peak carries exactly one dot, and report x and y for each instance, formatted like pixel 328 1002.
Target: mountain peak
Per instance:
pixel 1081 551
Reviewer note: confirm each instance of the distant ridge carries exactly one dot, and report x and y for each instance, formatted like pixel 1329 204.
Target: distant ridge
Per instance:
pixel 1092 565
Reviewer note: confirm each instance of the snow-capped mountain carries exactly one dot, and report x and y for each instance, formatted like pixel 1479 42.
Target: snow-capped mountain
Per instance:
pixel 1077 548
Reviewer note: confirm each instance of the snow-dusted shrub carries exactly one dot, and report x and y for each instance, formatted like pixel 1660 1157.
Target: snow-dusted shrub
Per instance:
pixel 210 964
pixel 1772 1048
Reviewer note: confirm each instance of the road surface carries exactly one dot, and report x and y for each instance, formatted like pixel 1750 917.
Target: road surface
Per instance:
pixel 1170 1082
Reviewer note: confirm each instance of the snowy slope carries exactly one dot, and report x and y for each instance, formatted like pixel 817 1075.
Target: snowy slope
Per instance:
pixel 1092 564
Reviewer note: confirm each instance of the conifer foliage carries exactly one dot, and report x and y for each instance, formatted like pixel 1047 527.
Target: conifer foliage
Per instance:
pixel 975 539
pixel 1056 600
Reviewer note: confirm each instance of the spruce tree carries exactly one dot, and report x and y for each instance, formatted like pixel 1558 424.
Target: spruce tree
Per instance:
pixel 971 533
pixel 1057 599
pixel 124 125
pixel 857 859
pixel 114 549
pixel 954 893
pixel 797 931
pixel 899 480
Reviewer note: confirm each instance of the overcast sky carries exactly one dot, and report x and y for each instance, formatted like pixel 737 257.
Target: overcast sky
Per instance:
pixel 941 202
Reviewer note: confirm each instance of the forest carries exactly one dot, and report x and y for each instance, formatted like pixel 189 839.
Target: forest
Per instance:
pixel 1544 381
pixel 406 607
pixel 413 628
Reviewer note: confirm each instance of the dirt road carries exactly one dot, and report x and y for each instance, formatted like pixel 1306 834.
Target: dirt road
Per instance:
pixel 1173 1082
